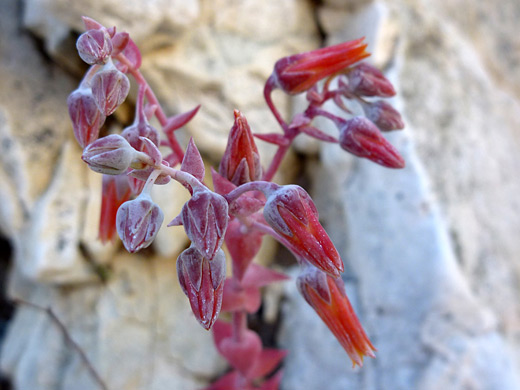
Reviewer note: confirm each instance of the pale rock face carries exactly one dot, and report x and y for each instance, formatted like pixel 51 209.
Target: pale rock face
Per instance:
pixel 430 251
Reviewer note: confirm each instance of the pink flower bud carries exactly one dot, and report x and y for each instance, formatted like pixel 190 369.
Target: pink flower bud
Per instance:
pixel 383 115
pixel 205 219
pixel 299 72
pixel 362 138
pixel 291 213
pixel 94 46
pixel 327 297
pixel 366 80
pixel 140 129
pixel 241 161
pixel 110 88
pixel 111 155
pixel 138 222
pixel 85 116
pixel 202 280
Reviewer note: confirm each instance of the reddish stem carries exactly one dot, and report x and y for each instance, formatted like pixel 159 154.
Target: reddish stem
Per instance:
pixel 152 99
pixel 239 325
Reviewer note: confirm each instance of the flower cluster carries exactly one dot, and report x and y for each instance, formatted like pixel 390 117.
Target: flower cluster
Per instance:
pixel 244 204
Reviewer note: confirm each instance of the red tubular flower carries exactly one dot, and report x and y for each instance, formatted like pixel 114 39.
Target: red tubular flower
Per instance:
pixel 115 192
pixel 362 138
pixel 241 161
pixel 291 213
pixel 327 297
pixel 299 72
pixel 202 280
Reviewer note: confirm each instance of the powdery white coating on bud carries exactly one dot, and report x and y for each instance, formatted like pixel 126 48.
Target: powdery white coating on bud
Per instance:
pixel 328 298
pixel 291 212
pixel 110 88
pixel 366 80
pixel 386 117
pixel 111 155
pixel 362 138
pixel 202 280
pixel 138 222
pixel 94 46
pixel 205 219
pixel 85 116
pixel 241 161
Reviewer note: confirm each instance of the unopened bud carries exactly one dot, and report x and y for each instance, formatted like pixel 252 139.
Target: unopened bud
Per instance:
pixel 85 116
pixel 291 212
pixel 111 155
pixel 383 115
pixel 138 222
pixel 110 88
pixel 362 138
pixel 94 46
pixel 241 161
pixel 205 219
pixel 202 280
pixel 366 80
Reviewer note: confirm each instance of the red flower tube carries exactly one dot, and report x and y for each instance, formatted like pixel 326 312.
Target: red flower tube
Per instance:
pixel 328 298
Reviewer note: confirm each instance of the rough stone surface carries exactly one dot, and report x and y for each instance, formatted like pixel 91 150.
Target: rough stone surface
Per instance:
pixel 430 251
pixel 432 264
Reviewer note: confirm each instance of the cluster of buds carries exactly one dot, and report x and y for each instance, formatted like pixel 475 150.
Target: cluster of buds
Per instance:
pixel 245 205
pixel 338 65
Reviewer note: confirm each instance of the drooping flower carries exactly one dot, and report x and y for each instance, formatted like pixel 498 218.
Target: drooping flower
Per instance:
pixel 367 80
pixel 202 280
pixel 362 138
pixel 328 298
pixel 205 219
pixel 138 222
pixel 241 161
pixel 384 116
pixel 110 88
pixel 94 46
pixel 291 213
pixel 111 155
pixel 299 72
pixel 85 116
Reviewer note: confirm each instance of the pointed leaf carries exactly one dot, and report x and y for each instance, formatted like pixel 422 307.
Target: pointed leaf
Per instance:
pixel 226 382
pixel 273 138
pixel 177 121
pixel 221 185
pixel 317 133
pixel 91 24
pixel 132 53
pixel 192 162
pixel 267 362
pixel 260 276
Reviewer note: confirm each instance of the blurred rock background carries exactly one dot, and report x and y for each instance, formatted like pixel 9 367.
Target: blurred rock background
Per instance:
pixel 431 251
